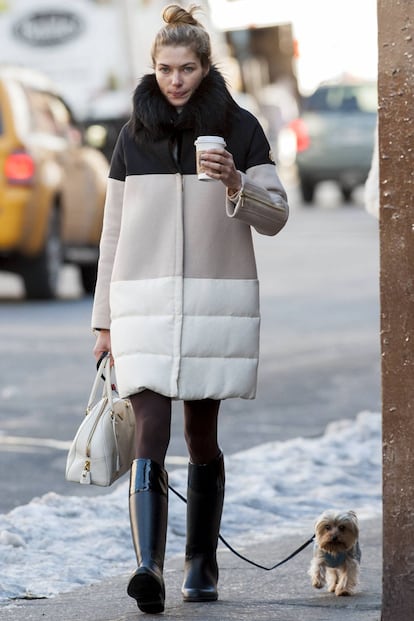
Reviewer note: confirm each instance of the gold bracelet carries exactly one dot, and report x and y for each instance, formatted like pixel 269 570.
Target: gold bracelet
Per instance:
pixel 234 195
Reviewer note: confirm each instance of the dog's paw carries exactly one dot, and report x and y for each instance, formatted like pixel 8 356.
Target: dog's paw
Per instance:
pixel 340 591
pixel 317 583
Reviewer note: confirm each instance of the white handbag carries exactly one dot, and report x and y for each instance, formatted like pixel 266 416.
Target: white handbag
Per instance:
pixel 103 447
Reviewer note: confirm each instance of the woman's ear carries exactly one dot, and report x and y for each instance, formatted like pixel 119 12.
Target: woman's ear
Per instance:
pixel 206 71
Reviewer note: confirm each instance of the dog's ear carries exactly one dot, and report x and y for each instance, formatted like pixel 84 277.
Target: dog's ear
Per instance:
pixel 326 517
pixel 352 518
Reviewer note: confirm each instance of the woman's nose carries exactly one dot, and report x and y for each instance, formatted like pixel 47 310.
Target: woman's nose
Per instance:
pixel 176 77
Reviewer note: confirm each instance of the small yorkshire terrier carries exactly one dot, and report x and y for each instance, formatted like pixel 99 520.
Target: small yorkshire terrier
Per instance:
pixel 337 555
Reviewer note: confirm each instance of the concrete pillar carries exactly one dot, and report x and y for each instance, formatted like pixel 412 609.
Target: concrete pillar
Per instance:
pixel 396 148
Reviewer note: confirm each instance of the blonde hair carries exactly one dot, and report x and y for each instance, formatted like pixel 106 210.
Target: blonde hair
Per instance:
pixel 182 28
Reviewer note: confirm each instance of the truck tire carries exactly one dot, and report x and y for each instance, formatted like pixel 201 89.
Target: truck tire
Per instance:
pixel 346 194
pixel 41 273
pixel 88 276
pixel 307 189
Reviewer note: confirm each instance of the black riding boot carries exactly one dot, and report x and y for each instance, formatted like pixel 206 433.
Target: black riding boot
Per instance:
pixel 148 510
pixel 205 496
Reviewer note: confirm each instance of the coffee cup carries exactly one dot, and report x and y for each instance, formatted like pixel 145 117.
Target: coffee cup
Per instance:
pixel 205 143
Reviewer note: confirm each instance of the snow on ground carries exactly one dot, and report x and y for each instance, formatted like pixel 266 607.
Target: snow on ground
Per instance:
pixel 57 543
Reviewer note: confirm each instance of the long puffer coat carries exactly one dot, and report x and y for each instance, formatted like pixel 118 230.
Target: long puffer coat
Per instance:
pixel 177 282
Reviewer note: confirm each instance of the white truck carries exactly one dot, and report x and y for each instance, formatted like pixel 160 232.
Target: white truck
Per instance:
pixel 78 44
pixel 93 50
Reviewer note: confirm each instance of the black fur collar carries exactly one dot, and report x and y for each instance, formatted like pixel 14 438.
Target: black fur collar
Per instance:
pixel 208 112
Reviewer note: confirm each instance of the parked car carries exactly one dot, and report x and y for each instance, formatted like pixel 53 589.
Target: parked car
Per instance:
pixel 334 136
pixel 52 186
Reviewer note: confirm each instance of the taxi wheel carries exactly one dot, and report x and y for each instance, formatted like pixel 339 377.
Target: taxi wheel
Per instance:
pixel 41 273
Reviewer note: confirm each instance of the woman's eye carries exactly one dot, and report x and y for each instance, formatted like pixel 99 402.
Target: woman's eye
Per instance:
pixel 188 69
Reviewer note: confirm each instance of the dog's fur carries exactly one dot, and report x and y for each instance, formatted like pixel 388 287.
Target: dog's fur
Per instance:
pixel 336 559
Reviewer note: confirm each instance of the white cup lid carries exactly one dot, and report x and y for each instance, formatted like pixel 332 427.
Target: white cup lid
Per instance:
pixel 215 139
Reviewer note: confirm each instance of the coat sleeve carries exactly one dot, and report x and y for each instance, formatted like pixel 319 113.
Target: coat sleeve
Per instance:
pixel 101 315
pixel 262 201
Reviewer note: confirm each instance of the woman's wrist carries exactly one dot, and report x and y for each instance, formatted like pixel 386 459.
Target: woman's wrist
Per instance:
pixel 235 190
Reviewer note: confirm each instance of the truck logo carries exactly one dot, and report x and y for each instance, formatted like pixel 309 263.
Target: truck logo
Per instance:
pixel 48 28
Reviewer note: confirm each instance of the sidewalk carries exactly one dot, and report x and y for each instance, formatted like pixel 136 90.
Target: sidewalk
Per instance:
pixel 246 593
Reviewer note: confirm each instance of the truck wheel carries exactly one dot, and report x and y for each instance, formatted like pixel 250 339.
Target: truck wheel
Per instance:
pixel 308 190
pixel 41 273
pixel 346 194
pixel 88 276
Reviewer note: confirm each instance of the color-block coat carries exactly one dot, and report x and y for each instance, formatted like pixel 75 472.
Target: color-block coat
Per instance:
pixel 177 282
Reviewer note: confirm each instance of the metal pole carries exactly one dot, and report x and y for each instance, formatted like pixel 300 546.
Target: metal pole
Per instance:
pixel 396 161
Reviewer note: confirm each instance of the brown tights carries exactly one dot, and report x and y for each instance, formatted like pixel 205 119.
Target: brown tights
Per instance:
pixel 200 430
pixel 153 427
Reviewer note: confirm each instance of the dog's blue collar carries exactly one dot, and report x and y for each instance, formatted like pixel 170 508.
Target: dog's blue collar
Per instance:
pixel 334 561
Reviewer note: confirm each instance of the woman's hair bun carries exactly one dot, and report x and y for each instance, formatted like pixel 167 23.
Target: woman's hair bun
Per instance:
pixel 175 14
pixel 181 28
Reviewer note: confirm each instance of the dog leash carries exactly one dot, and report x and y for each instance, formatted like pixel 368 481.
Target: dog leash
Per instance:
pixel 244 558
pixel 226 543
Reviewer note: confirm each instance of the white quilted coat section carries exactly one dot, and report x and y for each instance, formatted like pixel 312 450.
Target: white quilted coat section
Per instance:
pixel 186 338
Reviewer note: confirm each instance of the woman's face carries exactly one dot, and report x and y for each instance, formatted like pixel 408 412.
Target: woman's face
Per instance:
pixel 178 72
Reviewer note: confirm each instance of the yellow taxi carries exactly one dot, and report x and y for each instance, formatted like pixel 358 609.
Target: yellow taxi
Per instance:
pixel 52 186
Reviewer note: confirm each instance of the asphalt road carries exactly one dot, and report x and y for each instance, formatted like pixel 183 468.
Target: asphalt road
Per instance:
pixel 320 358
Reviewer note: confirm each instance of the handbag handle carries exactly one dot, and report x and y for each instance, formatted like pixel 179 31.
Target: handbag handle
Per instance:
pixel 102 372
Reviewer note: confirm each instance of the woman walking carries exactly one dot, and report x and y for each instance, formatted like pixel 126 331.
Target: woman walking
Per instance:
pixel 176 300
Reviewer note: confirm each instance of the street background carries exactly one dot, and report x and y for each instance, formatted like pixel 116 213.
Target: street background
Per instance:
pixel 320 343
